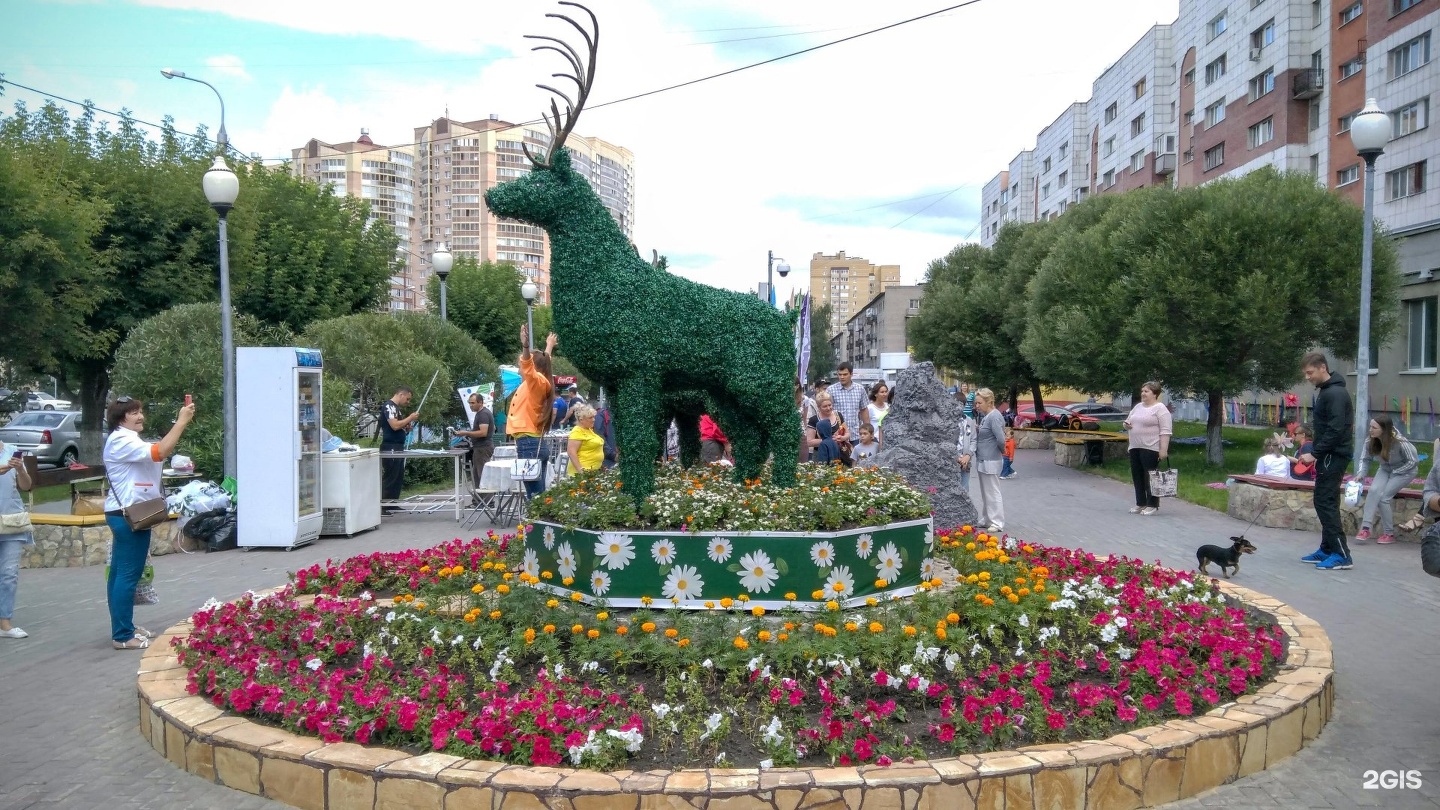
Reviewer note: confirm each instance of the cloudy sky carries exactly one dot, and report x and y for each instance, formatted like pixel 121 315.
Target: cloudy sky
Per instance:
pixel 876 146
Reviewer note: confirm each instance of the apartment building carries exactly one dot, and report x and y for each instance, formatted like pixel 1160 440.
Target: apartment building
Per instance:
pixel 385 177
pixel 1009 197
pixel 1234 85
pixel 881 326
pixel 432 192
pixel 845 283
pixel 1062 162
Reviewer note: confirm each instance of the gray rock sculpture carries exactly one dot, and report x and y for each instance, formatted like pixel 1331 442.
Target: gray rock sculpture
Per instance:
pixel 919 443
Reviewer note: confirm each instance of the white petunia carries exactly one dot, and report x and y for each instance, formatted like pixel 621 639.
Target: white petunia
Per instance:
pixel 314 664
pixel 1024 620
pixel 864 545
pixel 951 659
pixel 822 554
pixel 599 582
pixel 663 551
pixel 683 582
pixel 632 739
pixel 720 549
pixel 615 550
pixel 712 724
pixel 565 560
pixel 887 563
pixel 757 573
pixel 770 734
pixel 839 576
pixel 532 562
pixel 661 710
pixel 548 538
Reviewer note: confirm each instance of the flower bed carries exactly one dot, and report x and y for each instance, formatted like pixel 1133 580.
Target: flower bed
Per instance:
pixel 1029 645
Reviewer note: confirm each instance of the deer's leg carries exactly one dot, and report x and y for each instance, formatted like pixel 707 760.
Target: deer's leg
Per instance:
pixel 639 411
pixel 689 426
pixel 782 439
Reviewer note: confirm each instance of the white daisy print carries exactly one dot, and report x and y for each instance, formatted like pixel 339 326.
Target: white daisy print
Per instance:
pixel 549 538
pixel 864 546
pixel 720 549
pixel 757 573
pixel 663 551
pixel 927 569
pixel 887 563
pixel 532 562
pixel 683 582
pixel 840 577
pixel 599 582
pixel 822 554
pixel 565 560
pixel 615 550
pixel 929 538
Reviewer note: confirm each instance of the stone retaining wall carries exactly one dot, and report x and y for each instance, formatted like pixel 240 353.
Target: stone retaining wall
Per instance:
pixel 1070 451
pixel 1146 767
pixel 1295 509
pixel 71 541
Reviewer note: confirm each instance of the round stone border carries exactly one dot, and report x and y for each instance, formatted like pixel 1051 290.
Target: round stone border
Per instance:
pixel 1146 767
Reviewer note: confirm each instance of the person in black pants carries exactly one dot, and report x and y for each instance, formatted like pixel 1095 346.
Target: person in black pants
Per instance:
pixel 1333 445
pixel 393 428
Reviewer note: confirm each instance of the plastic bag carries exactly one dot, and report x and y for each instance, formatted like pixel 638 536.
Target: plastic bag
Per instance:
pixel 182 464
pixel 145 594
pixel 216 529
pixel 1352 492
pixel 198 497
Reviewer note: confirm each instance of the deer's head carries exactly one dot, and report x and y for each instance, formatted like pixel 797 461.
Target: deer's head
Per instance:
pixel 552 189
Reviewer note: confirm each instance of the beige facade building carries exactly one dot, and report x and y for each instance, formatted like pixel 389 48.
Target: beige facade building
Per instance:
pixel 846 283
pixel 880 326
pixel 385 177
pixel 433 192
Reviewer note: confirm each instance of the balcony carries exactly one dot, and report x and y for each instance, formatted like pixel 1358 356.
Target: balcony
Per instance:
pixel 1165 164
pixel 1307 83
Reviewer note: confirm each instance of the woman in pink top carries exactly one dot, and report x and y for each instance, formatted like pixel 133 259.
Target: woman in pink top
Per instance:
pixel 1150 430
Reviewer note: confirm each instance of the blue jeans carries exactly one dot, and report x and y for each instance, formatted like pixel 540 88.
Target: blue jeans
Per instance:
pixel 529 447
pixel 1006 469
pixel 127 564
pixel 11 546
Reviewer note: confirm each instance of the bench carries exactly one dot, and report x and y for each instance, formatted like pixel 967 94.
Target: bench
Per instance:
pixel 1290 504
pixel 1028 438
pixel 1091 447
pixel 54 476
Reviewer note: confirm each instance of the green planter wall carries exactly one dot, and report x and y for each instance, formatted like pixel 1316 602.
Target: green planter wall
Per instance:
pixel 684 569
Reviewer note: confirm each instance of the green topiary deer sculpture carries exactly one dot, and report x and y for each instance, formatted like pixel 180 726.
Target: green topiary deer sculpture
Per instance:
pixel 642 332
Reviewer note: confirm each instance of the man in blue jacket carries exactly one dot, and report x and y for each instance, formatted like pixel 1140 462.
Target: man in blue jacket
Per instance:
pixel 1333 445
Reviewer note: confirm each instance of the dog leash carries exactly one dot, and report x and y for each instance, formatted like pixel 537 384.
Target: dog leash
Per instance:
pixel 1253 520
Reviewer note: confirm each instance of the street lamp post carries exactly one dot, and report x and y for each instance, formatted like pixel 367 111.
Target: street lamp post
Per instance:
pixel 220 137
pixel 528 291
pixel 1369 132
pixel 771 268
pixel 441 261
pixel 221 188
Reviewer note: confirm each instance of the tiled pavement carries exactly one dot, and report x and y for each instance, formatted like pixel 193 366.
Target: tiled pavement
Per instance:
pixel 68 734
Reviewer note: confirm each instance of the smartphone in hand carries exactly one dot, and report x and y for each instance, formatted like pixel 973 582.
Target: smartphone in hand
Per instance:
pixel 187 399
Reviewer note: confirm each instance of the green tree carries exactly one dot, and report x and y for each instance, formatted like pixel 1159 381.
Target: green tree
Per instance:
pixel 302 254
pixel 177 352
pixel 484 300
pixel 1213 289
pixel 822 354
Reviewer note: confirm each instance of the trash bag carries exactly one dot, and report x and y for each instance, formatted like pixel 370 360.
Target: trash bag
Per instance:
pixel 215 528
pixel 198 497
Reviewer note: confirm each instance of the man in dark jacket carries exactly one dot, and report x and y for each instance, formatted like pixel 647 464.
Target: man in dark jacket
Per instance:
pixel 1334 444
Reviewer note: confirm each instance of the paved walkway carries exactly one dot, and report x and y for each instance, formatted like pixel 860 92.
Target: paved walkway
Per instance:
pixel 68 734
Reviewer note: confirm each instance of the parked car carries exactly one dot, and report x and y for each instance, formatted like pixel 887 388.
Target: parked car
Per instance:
pixel 1070 420
pixel 36 401
pixel 1105 413
pixel 53 436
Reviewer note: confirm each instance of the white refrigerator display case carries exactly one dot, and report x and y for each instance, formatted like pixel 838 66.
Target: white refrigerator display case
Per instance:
pixel 278 407
pixel 350 492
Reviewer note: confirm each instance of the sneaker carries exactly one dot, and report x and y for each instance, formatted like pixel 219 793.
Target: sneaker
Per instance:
pixel 1007 477
pixel 1385 539
pixel 1335 562
pixel 1149 510
pixel 1314 557
pixel 14 632
pixel 1362 536
pixel 995 528
pixel 1134 510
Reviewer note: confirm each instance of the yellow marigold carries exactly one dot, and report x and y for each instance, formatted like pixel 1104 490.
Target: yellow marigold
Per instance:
pixel 671 632
pixel 740 643
pixel 1005 589
pixel 424 569
pixel 909 630
pixel 726 602
pixel 1024 591
pixel 457 569
pixel 817 594
pixel 789 625
pixel 1039 587
pixel 871 601
pixel 495 614
pixel 486 566
pixel 502 588
pixel 710 605
pixel 621 630
pixel 972 578
pixel 851 626
pixel 757 611
pixel 744 597
pixel 552 603
pixel 877 627
pixel 547 629
pixel 783 637
pixel 592 633
pixel 940 633
pixel 419 605
pixel 646 601
pixel 1050 597
pixel 936 582
pixel 980 597
pixel 477 588
pixel 470 617
pixel 984 575
pixel 567 581
pixel 790 596
pixel 508 576
pixel 648 627
pixel 879 583
pixel 763 635
pixel 969 546
pixel 953 618
pixel 577 629
pixel 1013 597
pixel 684 642
pixel 576 597
pixel 602 615
pixel 819 627
pixel 529 635
pixel 546 575
pixel 832 605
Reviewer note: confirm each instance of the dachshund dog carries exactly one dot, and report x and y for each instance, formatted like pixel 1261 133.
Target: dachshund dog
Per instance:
pixel 1224 557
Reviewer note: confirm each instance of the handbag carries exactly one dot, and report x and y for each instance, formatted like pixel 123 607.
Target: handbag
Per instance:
pixel 1164 483
pixel 15 524
pixel 146 514
pixel 145 593
pixel 525 469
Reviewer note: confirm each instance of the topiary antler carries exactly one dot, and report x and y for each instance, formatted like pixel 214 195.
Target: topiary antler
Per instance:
pixel 584 77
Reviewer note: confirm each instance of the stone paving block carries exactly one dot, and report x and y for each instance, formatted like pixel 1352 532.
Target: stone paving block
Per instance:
pixel 238 769
pixel 408 794
pixel 351 789
pixel 470 798
pixel 293 783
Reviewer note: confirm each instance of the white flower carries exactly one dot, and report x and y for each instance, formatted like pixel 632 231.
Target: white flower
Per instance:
pixel 1121 621
pixel 661 710
pixel 720 549
pixel 663 551
pixel 1109 633
pixel 548 538
pixel 1019 649
pixel 906 670
pixel 757 573
pixel 927 569
pixel 929 538
pixel 565 560
pixel 1124 652
pixel 615 550
pixel 822 554
pixel 767 764
pixel 578 752
pixel 366 595
pixel 770 734
pixel 864 545
pixel 708 664
pixel 887 563
pixel 599 582
pixel 840 575
pixel 532 562
pixel 633 739
pixel 501 660
pixel 1024 620
pixel 712 723
pixel 926 655
pixel 1047 633
pixel 683 582
pixel 314 664
pixel 951 659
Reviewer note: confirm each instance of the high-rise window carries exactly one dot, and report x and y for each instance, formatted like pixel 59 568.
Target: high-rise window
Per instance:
pixel 1137 125
pixel 1108 148
pixel 1262 84
pixel 1047 165
pixel 1406 181
pixel 1420 317
pixel 1137 162
pixel 1215 70
pixel 1215 113
pixel 1352 12
pixel 1397 6
pixel 1413 117
pixel 1264 35
pixel 1347 175
pixel 1350 68
pixel 1342 124
pixel 1217 26
pixel 1112 112
pixel 1261 133
pixel 1140 87
pixel 1410 56
pixel 1062 180
pixel 1214 156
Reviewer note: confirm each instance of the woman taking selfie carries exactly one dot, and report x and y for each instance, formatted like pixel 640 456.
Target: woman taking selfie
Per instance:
pixel 133 466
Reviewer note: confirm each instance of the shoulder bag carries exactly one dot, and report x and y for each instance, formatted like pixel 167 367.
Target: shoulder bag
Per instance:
pixel 1164 483
pixel 144 515
pixel 15 524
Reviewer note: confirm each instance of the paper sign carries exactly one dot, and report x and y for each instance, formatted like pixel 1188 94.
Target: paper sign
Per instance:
pixel 487 391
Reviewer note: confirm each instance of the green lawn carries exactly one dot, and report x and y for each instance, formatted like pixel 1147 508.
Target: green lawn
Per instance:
pixel 1248 445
